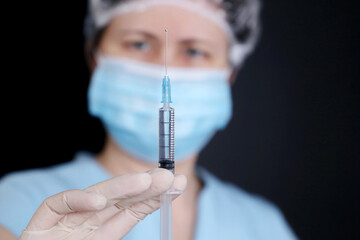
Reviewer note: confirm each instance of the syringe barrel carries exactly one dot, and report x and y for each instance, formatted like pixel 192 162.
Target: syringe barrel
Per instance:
pixel 167 138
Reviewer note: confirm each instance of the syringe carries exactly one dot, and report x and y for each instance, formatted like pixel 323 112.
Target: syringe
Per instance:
pixel 166 124
pixel 166 150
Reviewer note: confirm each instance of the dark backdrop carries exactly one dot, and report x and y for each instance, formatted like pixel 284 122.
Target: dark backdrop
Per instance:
pixel 294 135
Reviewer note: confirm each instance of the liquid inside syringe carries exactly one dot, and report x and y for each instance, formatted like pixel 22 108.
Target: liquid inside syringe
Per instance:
pixel 166 137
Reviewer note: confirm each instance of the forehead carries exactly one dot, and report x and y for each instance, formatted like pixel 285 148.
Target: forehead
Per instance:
pixel 181 23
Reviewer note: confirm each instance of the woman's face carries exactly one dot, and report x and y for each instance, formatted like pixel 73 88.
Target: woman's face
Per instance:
pixel 193 40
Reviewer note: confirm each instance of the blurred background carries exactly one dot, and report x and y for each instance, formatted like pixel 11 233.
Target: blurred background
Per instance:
pixel 294 136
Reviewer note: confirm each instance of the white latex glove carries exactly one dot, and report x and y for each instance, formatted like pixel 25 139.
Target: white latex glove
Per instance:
pixel 107 210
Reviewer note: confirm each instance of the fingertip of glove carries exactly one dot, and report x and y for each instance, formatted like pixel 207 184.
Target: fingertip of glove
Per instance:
pixel 97 201
pixel 162 175
pixel 162 179
pixel 143 180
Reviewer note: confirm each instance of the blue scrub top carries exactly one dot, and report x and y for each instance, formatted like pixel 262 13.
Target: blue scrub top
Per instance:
pixel 224 210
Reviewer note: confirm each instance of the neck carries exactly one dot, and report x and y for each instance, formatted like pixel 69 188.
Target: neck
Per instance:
pixel 117 162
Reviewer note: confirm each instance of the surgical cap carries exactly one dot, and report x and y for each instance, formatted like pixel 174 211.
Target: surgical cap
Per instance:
pixel 241 20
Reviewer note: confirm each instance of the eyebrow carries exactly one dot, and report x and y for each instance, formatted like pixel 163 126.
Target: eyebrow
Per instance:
pixel 186 40
pixel 198 40
pixel 132 31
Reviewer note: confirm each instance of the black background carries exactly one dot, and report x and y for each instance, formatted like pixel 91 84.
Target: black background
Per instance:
pixel 294 136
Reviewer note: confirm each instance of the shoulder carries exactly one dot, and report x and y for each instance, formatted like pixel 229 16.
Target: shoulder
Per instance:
pixel 242 200
pixel 79 173
pixel 37 182
pixel 253 213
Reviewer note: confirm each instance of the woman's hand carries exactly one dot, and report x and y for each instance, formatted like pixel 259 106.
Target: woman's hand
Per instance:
pixel 106 210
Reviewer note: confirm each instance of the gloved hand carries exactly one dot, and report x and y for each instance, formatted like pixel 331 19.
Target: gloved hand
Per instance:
pixel 106 210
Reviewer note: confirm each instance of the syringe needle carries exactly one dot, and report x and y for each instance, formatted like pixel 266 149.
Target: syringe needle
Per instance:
pixel 166 49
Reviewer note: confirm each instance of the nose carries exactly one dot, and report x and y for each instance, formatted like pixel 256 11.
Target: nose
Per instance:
pixel 167 57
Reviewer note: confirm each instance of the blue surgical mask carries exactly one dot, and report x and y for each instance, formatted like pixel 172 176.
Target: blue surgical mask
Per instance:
pixel 126 96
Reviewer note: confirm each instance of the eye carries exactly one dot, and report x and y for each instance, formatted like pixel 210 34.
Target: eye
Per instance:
pixel 140 45
pixel 193 52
